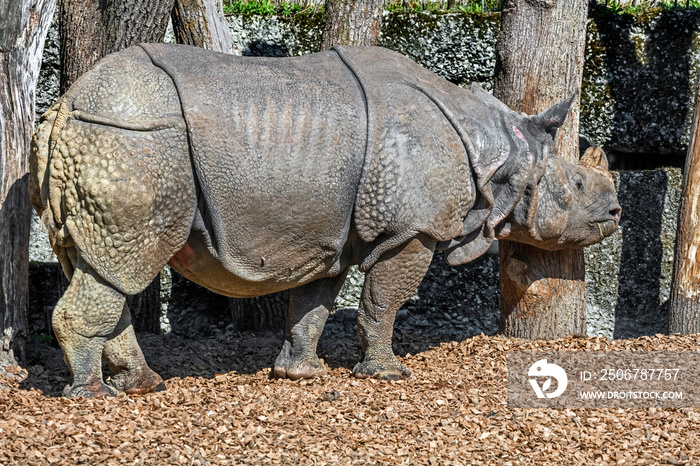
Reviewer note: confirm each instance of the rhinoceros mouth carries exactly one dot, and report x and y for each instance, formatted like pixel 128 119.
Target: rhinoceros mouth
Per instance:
pixel 605 227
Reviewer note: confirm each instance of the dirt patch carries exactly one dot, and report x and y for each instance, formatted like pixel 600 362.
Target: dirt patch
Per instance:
pixel 220 407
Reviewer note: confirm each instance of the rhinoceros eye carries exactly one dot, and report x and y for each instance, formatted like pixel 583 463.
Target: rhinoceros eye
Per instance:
pixel 577 180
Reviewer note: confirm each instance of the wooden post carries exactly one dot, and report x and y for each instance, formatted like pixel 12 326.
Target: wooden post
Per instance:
pixel 202 23
pixel 684 303
pixel 540 62
pixel 352 22
pixel 23 29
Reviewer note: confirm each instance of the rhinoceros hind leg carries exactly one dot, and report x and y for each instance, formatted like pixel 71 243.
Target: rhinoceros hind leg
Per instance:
pixel 309 306
pixel 388 284
pixel 130 373
pixel 84 317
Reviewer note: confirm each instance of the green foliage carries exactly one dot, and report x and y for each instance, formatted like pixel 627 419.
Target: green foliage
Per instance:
pixel 291 7
pixel 471 8
pixel 465 6
pixel 621 7
pixel 288 9
pixel 261 8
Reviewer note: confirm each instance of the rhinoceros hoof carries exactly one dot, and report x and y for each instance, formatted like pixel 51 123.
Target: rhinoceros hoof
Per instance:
pixel 384 371
pixel 145 381
pixel 303 369
pixel 93 390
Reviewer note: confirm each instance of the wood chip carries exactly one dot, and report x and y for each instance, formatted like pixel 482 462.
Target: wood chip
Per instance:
pixel 222 409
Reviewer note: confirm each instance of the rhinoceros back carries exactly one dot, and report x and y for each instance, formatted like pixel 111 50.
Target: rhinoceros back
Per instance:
pixel 277 146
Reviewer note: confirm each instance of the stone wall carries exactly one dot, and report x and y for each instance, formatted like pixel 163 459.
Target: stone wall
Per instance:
pixel 628 275
pixel 639 80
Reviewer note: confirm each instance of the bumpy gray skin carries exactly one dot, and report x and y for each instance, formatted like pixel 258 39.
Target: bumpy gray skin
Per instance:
pixel 253 175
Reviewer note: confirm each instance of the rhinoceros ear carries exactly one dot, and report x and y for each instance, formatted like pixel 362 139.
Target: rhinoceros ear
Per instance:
pixel 552 118
pixel 594 157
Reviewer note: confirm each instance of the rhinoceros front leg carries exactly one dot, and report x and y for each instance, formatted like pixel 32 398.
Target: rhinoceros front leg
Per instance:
pixel 130 373
pixel 388 284
pixel 309 306
pixel 84 317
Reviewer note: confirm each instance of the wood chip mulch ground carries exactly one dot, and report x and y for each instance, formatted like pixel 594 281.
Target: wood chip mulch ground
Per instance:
pixel 220 407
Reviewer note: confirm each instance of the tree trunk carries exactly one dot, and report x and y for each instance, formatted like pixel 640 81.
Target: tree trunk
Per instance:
pixel 268 312
pixel 23 29
pixel 352 22
pixel 89 30
pixel 684 303
pixel 202 23
pixel 540 62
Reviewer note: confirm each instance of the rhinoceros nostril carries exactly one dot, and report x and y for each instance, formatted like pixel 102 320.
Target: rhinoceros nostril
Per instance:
pixel 615 213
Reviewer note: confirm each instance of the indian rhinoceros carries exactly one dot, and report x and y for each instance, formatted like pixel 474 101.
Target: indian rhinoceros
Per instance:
pixel 254 175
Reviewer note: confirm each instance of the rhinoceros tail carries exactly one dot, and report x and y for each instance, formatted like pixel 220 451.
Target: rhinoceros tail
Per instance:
pixel 48 206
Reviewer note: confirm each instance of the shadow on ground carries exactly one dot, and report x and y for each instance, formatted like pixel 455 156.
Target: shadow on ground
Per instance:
pixel 175 356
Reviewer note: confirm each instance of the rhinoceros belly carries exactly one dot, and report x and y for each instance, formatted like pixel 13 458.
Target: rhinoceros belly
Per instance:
pixel 196 263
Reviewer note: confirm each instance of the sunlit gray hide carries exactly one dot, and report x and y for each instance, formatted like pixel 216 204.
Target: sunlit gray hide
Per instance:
pixel 254 175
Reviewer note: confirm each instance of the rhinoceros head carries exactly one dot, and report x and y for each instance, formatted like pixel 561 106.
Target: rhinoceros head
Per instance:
pixel 573 205
pixel 529 194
